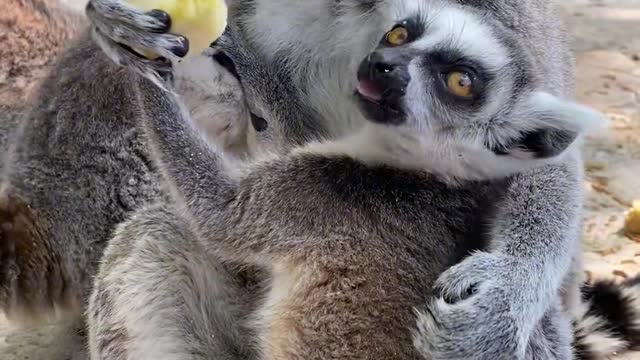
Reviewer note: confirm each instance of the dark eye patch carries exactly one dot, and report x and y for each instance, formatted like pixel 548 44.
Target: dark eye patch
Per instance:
pixel 440 62
pixel 258 123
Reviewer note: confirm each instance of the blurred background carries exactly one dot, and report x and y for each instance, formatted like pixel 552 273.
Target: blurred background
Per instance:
pixel 607 47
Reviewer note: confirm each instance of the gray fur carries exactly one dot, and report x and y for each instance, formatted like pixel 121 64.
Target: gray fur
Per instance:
pixel 536 236
pixel 320 72
pixel 9 119
pixel 75 168
pixel 338 230
pixel 159 295
pixel 347 254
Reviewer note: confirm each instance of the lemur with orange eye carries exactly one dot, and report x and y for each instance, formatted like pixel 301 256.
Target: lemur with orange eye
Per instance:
pixel 353 234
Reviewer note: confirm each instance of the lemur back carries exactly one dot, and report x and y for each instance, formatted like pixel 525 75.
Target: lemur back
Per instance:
pixel 78 165
pixel 75 168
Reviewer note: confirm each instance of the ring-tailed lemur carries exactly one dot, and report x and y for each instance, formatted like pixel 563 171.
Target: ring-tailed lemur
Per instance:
pixel 537 232
pixel 77 165
pixel 83 74
pixel 336 224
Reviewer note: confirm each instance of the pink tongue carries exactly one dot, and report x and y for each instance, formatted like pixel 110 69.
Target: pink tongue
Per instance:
pixel 369 90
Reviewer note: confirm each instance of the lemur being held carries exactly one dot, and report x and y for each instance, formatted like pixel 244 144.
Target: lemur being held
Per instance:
pixel 536 231
pixel 77 165
pixel 353 233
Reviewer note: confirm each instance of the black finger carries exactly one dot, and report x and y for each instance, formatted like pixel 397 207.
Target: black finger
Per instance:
pixel 163 17
pixel 182 49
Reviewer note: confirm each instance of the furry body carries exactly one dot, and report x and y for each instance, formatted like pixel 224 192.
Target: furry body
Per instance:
pixel 328 225
pixel 350 258
pixel 312 85
pixel 536 235
pixel 74 170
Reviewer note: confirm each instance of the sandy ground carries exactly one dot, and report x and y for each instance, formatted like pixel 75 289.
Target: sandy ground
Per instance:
pixel 607 45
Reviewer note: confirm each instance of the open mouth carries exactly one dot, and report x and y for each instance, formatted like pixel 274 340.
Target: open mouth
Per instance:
pixel 379 106
pixel 380 95
pixel 369 91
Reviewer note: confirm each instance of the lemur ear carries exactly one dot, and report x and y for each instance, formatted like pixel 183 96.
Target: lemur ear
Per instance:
pixel 551 125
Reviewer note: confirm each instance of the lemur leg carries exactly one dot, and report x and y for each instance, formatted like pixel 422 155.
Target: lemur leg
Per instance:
pixel 570 292
pixel 158 295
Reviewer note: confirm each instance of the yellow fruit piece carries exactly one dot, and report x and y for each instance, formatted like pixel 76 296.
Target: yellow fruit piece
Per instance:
pixel 200 21
pixel 632 220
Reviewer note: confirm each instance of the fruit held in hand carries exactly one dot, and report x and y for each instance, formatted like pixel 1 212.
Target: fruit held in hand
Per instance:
pixel 632 221
pixel 200 21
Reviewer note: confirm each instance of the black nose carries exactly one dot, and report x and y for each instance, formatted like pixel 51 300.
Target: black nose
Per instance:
pixel 388 70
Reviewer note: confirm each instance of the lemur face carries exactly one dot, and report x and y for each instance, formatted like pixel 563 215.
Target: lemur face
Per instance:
pixel 455 76
pixel 443 67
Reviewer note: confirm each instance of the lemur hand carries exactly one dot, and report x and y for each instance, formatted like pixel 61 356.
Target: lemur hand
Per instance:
pixel 119 28
pixel 480 311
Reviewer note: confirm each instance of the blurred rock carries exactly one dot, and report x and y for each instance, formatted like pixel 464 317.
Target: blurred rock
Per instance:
pixel 32 34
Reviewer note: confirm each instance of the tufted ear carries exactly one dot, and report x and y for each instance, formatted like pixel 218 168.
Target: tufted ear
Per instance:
pixel 549 127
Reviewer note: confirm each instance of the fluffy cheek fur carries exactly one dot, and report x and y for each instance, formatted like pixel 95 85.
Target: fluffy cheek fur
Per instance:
pixel 500 139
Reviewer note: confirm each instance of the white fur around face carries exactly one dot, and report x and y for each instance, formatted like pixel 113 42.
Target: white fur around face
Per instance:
pixel 327 49
pixel 456 28
pixel 450 160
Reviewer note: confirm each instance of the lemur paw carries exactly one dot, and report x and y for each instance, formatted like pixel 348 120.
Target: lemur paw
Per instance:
pixel 121 31
pixel 472 315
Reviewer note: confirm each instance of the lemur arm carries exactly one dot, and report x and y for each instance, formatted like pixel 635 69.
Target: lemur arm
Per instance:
pixel 539 224
pixel 515 282
pixel 217 205
pixel 191 166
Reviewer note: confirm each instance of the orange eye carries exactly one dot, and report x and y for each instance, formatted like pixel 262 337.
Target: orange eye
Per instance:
pixel 397 36
pixel 460 84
